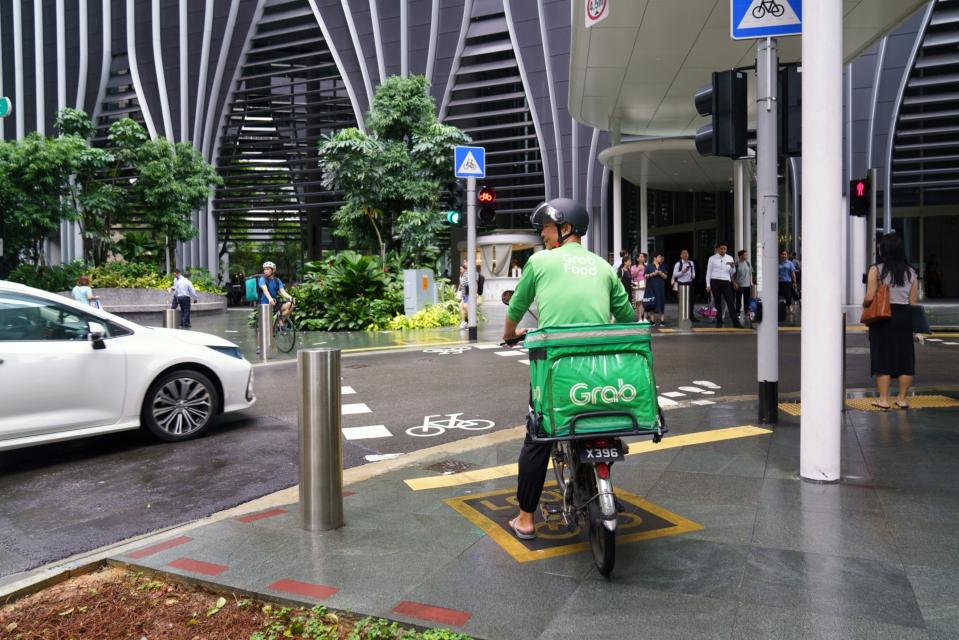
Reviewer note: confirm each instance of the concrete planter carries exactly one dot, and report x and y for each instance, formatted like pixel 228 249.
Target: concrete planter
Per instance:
pixel 150 300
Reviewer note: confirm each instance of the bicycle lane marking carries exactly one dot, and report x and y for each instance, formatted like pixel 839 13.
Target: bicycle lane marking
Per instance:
pixel 636 448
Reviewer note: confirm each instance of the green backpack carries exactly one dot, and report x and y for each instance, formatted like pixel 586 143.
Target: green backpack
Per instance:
pixel 252 291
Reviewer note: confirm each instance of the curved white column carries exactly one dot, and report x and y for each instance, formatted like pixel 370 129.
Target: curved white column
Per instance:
pixel 210 121
pixel 84 40
pixel 204 65
pixel 184 76
pixel 357 47
pixel 134 71
pixel 591 164
pixel 530 102
pixel 106 22
pixel 460 45
pixel 39 66
pixel 434 29
pixel 404 38
pixel 876 79
pixel 61 58
pixel 339 65
pixel 377 40
pixel 161 76
pixel 18 68
pixel 557 134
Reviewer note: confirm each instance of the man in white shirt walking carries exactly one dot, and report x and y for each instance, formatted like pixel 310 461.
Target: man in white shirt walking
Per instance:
pixel 719 272
pixel 184 293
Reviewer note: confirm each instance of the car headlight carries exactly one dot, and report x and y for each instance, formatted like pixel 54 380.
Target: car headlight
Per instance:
pixel 230 351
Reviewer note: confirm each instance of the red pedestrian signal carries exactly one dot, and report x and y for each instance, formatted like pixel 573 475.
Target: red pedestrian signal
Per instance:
pixel 859 198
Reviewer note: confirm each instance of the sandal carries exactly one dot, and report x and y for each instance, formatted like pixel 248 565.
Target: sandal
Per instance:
pixel 522 535
pixel 882 407
pixel 902 405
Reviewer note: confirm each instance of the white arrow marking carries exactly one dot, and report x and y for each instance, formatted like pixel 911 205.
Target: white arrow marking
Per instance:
pixel 707 384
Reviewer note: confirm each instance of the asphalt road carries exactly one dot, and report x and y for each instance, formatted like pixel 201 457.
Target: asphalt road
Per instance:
pixel 61 499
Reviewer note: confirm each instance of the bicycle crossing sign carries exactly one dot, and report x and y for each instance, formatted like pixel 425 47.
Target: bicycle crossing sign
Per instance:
pixel 764 18
pixel 469 162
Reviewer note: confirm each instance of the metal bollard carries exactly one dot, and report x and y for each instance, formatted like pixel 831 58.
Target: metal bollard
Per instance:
pixel 264 324
pixel 321 451
pixel 684 320
pixel 169 318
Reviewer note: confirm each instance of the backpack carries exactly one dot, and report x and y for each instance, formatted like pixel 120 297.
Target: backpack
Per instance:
pixel 252 291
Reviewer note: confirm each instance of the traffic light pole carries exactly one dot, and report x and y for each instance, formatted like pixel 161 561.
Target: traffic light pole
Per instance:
pixel 767 232
pixel 471 255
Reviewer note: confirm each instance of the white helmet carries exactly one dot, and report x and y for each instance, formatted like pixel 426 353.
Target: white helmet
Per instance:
pixel 269 265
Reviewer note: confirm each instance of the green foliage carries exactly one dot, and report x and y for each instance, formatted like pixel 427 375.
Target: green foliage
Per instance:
pixel 318 623
pixel 443 314
pixel 347 292
pixel 390 177
pixel 119 275
pixel 137 246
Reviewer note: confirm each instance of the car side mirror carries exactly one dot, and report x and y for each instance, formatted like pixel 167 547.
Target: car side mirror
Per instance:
pixel 507 296
pixel 96 333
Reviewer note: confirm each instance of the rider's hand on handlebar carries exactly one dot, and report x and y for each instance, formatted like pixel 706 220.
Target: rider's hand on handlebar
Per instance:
pixel 515 339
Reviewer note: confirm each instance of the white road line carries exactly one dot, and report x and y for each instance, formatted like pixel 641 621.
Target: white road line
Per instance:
pixel 511 352
pixel 699 402
pixel 372 431
pixel 488 345
pixel 526 362
pixel 933 339
pixel 382 456
pixel 358 407
pixel 345 391
pixel 951 343
pixel 674 394
pixel 707 384
pixel 666 402
pixel 692 389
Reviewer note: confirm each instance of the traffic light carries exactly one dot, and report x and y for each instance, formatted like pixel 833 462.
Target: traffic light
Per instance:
pixel 725 100
pixel 859 197
pixel 455 203
pixel 790 110
pixel 486 199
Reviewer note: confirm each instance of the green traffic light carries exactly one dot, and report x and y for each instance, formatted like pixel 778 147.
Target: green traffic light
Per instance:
pixel 453 217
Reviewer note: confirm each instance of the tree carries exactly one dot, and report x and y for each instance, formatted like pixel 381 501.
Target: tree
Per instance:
pixel 391 176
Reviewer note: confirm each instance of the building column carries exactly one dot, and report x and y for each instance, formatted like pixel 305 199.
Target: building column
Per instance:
pixel 740 205
pixel 748 212
pixel 822 333
pixel 617 208
pixel 644 206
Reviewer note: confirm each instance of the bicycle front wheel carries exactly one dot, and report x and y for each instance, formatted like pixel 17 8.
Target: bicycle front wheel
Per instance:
pixel 284 335
pixel 475 425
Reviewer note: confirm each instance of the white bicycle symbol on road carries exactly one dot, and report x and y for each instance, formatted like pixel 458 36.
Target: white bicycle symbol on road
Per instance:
pixel 433 427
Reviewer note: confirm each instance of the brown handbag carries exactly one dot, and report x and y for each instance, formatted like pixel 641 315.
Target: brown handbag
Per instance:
pixel 880 307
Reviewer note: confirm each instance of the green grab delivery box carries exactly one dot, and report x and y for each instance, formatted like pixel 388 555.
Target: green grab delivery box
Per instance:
pixel 586 368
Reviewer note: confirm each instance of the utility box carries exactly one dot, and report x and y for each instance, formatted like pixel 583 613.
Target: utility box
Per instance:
pixel 419 290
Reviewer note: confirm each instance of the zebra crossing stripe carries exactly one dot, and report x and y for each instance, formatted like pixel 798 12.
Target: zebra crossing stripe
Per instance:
pixel 347 390
pixel 510 352
pixel 665 402
pixel 353 409
pixel 526 362
pixel 372 431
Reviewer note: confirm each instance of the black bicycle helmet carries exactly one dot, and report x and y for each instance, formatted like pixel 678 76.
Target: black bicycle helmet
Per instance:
pixel 560 211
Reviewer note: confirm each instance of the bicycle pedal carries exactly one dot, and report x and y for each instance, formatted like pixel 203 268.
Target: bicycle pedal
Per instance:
pixel 553 510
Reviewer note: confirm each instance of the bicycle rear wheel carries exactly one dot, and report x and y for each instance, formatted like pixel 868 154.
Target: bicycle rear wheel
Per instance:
pixel 602 541
pixel 284 334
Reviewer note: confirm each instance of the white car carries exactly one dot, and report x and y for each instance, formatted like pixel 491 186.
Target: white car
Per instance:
pixel 68 370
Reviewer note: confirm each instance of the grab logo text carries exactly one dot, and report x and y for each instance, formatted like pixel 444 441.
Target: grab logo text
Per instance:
pixel 581 394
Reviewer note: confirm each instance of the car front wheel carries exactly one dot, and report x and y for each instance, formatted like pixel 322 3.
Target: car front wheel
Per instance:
pixel 179 405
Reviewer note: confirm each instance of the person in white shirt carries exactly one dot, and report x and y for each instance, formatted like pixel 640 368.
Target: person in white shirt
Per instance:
pixel 515 270
pixel 743 282
pixel 184 293
pixel 684 274
pixel 719 272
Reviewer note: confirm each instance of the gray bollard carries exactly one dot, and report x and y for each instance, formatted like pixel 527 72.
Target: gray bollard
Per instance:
pixel 684 321
pixel 170 318
pixel 264 332
pixel 321 451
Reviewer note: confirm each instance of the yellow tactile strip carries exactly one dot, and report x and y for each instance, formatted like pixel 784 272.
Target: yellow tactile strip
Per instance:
pixel 646 446
pixel 642 520
pixel 865 404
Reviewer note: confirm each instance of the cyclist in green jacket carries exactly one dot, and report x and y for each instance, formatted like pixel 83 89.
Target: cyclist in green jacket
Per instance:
pixel 571 285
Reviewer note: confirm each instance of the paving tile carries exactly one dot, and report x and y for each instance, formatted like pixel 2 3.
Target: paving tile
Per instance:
pixel 682 565
pixel 153 549
pixel 705 489
pixel 924 543
pixel 732 524
pixel 303 589
pixel 601 609
pixel 848 587
pixel 745 457
pixel 808 496
pixel 937 590
pixel 524 601
pixel 837 533
pixel 756 622
pixel 192 565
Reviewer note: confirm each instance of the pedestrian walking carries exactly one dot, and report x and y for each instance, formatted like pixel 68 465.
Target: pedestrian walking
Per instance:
pixel 624 273
pixel 684 274
pixel 638 272
pixel 83 292
pixel 185 294
pixel 891 350
pixel 719 274
pixel 744 283
pixel 787 280
pixel 655 302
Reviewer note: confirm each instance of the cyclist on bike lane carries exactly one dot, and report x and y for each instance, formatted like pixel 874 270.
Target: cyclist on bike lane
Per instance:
pixel 271 288
pixel 571 285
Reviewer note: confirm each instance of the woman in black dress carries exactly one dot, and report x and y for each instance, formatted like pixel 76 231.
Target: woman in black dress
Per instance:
pixel 656 277
pixel 624 276
pixel 891 350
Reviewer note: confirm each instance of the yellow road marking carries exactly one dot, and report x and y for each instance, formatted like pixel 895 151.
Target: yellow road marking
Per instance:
pixel 402 346
pixel 865 404
pixel 635 448
pixel 521 553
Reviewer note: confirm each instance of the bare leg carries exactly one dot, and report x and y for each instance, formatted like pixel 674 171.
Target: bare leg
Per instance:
pixel 882 383
pixel 904 383
pixel 524 522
